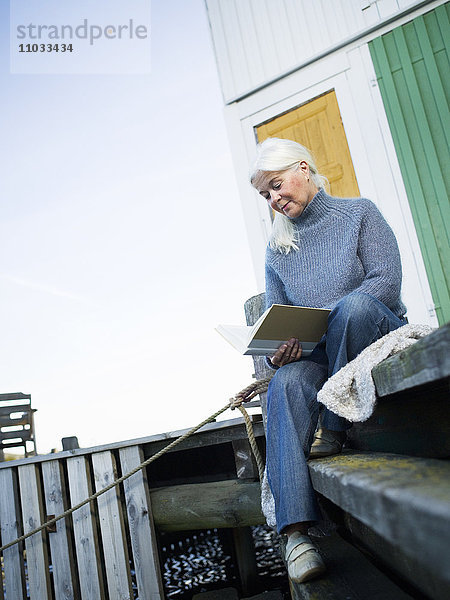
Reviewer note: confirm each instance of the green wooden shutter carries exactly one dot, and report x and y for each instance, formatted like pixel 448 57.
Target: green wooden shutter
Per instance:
pixel 412 67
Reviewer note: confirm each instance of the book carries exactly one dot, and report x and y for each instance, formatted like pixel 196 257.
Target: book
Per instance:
pixel 276 325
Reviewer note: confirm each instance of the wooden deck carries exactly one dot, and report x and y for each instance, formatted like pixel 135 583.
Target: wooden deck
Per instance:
pixel 389 492
pixel 208 481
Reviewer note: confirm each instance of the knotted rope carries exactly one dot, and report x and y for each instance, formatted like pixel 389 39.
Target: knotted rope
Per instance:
pixel 245 395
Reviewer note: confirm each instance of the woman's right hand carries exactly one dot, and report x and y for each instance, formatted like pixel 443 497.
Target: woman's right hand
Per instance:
pixel 288 352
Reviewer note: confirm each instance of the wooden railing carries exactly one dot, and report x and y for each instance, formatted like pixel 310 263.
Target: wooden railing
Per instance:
pixel 104 545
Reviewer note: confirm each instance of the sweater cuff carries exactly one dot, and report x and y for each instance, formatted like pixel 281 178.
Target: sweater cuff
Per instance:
pixel 270 364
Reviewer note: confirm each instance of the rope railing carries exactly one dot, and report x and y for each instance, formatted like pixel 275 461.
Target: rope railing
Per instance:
pixel 245 395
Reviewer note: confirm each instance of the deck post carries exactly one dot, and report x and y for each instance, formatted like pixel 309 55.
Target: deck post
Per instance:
pixel 246 559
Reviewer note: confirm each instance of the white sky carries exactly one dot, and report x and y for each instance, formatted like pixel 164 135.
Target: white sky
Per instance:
pixel 122 242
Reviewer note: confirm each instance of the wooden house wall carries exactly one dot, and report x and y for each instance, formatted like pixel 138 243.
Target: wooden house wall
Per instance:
pixel 257 40
pixel 347 69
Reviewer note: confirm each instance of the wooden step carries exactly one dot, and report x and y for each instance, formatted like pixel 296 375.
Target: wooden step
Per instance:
pixel 425 362
pixel 404 500
pixel 397 562
pixel 412 415
pixel 349 576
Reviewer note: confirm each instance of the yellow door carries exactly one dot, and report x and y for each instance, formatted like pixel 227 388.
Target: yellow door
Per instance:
pixel 318 126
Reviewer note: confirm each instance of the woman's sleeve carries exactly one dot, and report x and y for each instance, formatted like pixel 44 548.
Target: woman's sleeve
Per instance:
pixel 380 257
pixel 275 293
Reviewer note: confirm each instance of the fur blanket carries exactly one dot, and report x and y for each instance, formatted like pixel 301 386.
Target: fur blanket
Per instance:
pixel 350 393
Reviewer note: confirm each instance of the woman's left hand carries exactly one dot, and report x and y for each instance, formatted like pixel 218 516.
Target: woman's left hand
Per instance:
pixel 288 352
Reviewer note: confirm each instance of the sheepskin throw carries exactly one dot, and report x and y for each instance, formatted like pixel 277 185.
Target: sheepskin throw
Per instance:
pixel 350 393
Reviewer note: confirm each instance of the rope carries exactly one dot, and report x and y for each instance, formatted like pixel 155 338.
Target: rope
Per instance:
pixel 245 395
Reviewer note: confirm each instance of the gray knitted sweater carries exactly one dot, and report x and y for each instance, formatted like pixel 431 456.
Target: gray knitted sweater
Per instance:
pixel 345 245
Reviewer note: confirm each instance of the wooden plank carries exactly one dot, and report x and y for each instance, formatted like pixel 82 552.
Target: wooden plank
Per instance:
pixel 14 396
pixel 254 308
pixel 112 528
pixel 141 526
pixel 36 545
pixel 85 531
pixel 393 494
pixel 11 422
pixel 413 422
pixel 15 408
pixel 22 434
pixel 213 433
pixel 64 571
pixel 233 503
pixel 397 562
pixel 431 66
pixel 427 361
pixel 419 95
pixel 205 437
pixel 13 564
pixel 349 575
pixel 244 547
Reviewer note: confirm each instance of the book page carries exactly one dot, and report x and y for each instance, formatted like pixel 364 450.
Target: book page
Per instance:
pixel 236 335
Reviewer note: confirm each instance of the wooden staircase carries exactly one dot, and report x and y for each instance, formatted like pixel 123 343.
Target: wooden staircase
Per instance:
pixel 389 492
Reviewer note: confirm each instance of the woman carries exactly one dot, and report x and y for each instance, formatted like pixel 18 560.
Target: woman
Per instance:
pixel 324 252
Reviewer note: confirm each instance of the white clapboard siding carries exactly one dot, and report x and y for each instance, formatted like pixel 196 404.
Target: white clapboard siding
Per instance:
pixel 112 529
pixel 36 546
pixel 14 573
pixel 140 523
pixel 85 531
pixel 64 573
pixel 256 41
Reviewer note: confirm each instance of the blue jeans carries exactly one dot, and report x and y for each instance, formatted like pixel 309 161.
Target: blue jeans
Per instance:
pixel 292 408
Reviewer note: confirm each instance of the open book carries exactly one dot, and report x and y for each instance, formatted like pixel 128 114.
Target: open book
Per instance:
pixel 275 326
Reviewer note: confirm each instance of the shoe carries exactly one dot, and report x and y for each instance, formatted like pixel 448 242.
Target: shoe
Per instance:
pixel 302 559
pixel 327 443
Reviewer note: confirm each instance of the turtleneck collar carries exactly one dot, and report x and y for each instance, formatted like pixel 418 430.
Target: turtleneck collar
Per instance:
pixel 315 211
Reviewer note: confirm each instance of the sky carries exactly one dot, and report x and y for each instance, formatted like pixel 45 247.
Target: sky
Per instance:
pixel 122 241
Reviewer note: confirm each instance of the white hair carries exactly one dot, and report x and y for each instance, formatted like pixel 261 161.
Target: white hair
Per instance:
pixel 276 155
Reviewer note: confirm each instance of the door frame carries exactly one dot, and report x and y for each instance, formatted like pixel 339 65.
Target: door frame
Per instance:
pixel 351 74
